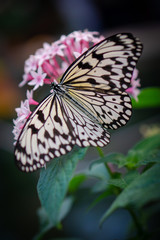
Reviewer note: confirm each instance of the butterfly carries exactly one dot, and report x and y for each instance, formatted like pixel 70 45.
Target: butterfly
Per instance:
pixel 89 99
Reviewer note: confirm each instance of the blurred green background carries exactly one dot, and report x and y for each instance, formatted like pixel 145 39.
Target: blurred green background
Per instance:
pixel 24 26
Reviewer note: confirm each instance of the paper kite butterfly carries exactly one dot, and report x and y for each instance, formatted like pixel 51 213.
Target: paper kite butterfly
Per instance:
pixel 89 99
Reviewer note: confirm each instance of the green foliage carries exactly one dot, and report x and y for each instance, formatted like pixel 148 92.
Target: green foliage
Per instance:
pixel 52 188
pixel 133 188
pixel 115 158
pixel 144 152
pixel 148 97
pixel 137 193
pixel 123 181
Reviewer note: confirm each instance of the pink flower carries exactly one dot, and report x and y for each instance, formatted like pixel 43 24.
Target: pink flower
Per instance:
pixel 50 62
pixel 17 129
pixel 30 98
pixel 38 78
pixel 23 112
pixel 44 53
pixel 31 64
pixel 135 83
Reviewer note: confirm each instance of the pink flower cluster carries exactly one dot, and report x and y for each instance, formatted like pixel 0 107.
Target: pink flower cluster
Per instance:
pixel 49 63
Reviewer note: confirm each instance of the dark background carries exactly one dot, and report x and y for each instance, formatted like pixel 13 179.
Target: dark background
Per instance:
pixel 24 26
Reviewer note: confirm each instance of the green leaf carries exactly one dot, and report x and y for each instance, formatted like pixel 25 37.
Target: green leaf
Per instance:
pixel 76 182
pixel 142 190
pixel 105 185
pixel 148 97
pixel 98 170
pixel 118 182
pixel 53 182
pixel 65 207
pixel 144 152
pixel 115 158
pixel 100 173
pixel 44 221
pixel 152 157
pixel 123 182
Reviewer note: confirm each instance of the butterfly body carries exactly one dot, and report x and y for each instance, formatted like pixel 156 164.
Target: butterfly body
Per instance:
pixel 89 99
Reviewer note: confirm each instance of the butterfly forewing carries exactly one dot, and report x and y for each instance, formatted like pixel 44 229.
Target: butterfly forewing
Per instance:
pixel 107 65
pixel 46 135
pixel 52 130
pixel 99 78
pixel 90 98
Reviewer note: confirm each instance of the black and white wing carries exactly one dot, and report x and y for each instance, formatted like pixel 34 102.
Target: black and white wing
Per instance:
pixel 52 130
pixel 98 79
pixel 93 99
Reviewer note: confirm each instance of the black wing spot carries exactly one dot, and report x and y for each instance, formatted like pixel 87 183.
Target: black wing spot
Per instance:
pixel 103 111
pixel 34 129
pixel 92 81
pixel 97 56
pixel 57 119
pixel 46 135
pixel 105 77
pixel 98 114
pixel 109 112
pixel 84 65
pixel 40 116
pixel 65 136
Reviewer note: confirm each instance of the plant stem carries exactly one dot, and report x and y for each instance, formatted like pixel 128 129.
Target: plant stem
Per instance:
pixel 101 154
pixel 100 151
pixel 136 221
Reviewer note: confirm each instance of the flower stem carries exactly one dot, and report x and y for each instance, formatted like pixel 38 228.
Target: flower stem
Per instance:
pixel 101 154
pixel 100 151
pixel 136 221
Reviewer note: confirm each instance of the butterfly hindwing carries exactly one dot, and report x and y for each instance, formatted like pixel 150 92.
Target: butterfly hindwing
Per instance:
pixel 112 108
pixel 87 131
